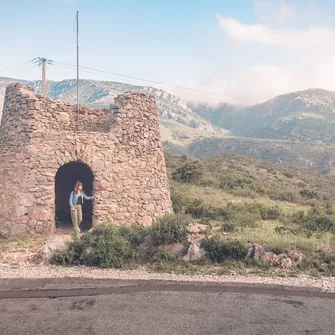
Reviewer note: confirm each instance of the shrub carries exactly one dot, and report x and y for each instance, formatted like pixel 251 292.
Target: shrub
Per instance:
pixel 320 261
pixel 320 223
pixel 208 180
pixel 228 227
pixel 189 172
pixel 283 196
pixel 105 246
pixel 180 201
pixel 309 194
pixel 197 208
pixel 231 181
pixel 219 251
pixel 271 213
pixel 288 174
pixel 170 228
pixel 244 220
pixel 315 220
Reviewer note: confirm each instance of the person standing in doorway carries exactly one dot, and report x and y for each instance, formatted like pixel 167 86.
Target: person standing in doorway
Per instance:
pixel 77 197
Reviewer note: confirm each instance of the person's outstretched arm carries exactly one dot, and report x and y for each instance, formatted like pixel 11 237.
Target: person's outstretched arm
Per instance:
pixel 87 197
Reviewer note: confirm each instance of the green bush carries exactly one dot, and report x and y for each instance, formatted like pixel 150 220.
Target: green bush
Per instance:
pixel 320 261
pixel 315 220
pixel 218 251
pixel 189 172
pixel 320 223
pixel 243 220
pixel 288 174
pixel 180 201
pixel 105 246
pixel 197 208
pixel 229 227
pixel 170 228
pixel 288 196
pixel 271 213
pixel 309 194
pixel 231 181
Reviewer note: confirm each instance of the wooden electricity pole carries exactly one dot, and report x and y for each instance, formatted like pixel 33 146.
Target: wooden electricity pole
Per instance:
pixel 40 61
pixel 44 84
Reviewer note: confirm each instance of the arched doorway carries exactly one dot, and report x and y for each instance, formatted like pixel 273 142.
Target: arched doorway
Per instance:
pixel 65 179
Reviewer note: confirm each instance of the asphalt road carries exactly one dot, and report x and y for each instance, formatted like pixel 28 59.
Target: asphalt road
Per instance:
pixel 163 308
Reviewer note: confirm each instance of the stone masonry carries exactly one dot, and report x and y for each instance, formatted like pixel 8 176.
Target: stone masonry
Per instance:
pixel 123 150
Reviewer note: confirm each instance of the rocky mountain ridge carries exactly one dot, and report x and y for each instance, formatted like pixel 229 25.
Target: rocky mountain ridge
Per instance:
pixel 98 94
pixel 307 116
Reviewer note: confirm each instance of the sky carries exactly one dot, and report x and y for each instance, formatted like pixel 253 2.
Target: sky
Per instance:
pixel 214 51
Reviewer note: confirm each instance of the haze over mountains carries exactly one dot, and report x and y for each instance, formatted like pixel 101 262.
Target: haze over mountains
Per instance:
pixel 296 129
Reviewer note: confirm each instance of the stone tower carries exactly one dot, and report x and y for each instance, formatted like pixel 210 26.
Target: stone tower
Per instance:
pixel 45 148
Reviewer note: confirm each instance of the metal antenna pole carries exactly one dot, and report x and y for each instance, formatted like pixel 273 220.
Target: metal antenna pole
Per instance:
pixel 77 71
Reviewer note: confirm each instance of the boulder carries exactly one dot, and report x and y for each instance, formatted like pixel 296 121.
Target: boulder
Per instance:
pixel 44 254
pixel 177 249
pixel 194 252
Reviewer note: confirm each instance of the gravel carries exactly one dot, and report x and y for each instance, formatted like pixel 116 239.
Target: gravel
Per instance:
pixel 28 271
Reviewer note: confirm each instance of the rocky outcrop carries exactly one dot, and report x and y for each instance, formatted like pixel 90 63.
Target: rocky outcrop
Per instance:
pixel 260 254
pixel 56 244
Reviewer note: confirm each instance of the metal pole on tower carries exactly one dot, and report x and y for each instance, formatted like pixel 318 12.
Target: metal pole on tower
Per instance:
pixel 77 70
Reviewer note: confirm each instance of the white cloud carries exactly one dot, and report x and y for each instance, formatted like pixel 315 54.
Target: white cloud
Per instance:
pixel 288 60
pixel 253 85
pixel 274 12
pixel 310 38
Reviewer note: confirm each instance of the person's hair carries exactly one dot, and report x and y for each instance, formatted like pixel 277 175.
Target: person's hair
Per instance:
pixel 76 186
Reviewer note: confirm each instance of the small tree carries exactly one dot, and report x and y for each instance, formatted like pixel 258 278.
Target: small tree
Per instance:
pixel 189 172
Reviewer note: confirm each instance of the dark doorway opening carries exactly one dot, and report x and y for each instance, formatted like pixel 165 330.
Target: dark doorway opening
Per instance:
pixel 66 177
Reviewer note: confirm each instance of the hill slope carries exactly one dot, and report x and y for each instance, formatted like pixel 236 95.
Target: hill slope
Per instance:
pixel 306 116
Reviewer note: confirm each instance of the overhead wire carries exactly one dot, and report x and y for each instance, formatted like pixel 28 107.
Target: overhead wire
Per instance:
pixel 27 67
pixel 191 91
pixel 176 88
pixel 14 67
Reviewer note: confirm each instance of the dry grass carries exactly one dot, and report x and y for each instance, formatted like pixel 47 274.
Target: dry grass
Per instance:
pixel 19 249
pixel 217 197
pixel 266 235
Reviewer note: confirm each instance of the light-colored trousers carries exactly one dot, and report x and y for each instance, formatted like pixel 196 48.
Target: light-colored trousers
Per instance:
pixel 76 216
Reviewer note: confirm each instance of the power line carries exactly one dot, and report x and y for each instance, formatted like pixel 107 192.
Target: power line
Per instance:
pixel 192 91
pixel 15 66
pixel 109 74
pixel 21 69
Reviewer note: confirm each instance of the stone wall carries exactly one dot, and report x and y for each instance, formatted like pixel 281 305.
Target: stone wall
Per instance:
pixel 123 150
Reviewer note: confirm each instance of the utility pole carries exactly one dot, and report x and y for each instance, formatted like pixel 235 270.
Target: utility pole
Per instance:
pixel 43 61
pixel 44 86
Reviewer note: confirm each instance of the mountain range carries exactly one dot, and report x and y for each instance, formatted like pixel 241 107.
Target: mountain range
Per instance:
pixel 295 129
pixel 307 116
